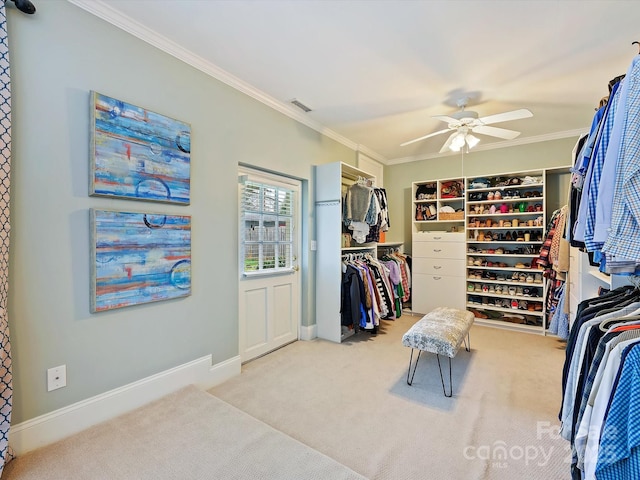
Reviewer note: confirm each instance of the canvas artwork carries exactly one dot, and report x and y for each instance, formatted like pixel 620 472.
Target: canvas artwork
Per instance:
pixel 139 258
pixel 138 154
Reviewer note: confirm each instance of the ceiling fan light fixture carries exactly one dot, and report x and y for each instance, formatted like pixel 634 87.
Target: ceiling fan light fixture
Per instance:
pixel 472 141
pixel 458 142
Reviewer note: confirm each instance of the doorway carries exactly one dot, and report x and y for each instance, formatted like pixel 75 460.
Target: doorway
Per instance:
pixel 269 284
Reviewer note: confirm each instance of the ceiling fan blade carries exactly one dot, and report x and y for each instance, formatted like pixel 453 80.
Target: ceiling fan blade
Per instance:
pixel 446 118
pixel 495 132
pixel 425 137
pixel 447 144
pixel 506 116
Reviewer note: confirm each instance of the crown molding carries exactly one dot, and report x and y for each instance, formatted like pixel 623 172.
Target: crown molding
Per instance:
pixel 496 145
pixel 103 10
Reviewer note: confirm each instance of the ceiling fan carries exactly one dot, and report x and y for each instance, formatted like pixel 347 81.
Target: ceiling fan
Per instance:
pixel 464 122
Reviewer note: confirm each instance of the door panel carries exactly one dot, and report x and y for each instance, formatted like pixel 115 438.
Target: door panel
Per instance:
pixel 255 317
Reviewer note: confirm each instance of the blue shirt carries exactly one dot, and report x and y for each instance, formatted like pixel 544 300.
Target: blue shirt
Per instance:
pixel 583 167
pixel 608 179
pixel 622 240
pixel 595 169
pixel 619 453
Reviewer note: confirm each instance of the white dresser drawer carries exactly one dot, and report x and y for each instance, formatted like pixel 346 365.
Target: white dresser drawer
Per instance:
pixel 431 291
pixel 438 237
pixel 439 266
pixel 439 250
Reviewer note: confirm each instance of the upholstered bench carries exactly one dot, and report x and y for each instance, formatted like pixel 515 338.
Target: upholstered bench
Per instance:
pixel 440 331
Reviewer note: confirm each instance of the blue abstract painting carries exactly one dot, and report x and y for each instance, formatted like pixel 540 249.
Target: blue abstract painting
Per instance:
pixel 138 154
pixel 139 258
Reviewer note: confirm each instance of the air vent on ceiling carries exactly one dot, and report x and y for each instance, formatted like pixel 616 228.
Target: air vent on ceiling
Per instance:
pixel 300 105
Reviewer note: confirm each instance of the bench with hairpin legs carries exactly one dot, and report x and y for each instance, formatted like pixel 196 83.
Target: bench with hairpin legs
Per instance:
pixel 441 331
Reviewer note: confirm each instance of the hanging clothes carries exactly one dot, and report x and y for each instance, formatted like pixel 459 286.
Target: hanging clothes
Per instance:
pixel 365 212
pixel 367 292
pixel 605 328
pixel 608 208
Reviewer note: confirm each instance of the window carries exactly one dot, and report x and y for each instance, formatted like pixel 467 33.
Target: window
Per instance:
pixel 266 227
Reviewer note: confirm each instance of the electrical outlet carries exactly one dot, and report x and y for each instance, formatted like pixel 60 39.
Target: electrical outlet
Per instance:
pixel 56 377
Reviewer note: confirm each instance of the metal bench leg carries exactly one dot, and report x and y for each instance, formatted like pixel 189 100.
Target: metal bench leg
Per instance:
pixel 442 379
pixel 467 342
pixel 409 382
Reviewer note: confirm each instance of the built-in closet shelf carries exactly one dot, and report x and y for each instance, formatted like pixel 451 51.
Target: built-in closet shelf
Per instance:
pixel 523 204
pixel 522 200
pixel 508 255
pixel 507 325
pixel 504 282
pixel 438 201
pixel 603 277
pixel 359 249
pixel 529 186
pixel 331 181
pixel 441 200
pixel 501 242
pixel 505 269
pixel 514 311
pixel 528 298
pixel 505 200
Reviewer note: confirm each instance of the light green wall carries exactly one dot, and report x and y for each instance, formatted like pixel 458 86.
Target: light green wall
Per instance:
pixel 58 55
pixel 398 178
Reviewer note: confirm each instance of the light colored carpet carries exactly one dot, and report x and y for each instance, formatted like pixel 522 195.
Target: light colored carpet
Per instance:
pixel 351 402
pixel 188 435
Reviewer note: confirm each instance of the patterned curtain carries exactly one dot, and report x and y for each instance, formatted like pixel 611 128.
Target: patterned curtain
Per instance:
pixel 6 388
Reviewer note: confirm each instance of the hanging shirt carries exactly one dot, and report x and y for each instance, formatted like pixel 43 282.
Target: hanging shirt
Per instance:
pixel 595 172
pixel 622 243
pixel 619 454
pixel 609 182
pixel 582 172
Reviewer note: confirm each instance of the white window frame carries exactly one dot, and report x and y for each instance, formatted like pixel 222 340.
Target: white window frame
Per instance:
pixel 265 179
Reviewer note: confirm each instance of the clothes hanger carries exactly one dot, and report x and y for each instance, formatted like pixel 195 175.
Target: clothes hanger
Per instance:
pixel 606 325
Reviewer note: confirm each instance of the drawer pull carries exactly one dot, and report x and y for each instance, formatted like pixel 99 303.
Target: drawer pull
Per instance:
pixel 437 278
pixel 437 249
pixel 437 238
pixel 437 267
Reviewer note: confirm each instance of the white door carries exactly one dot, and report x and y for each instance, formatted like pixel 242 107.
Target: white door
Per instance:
pixel 269 291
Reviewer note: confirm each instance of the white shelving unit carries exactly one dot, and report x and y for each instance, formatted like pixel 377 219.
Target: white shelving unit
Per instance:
pixel 505 225
pixel 331 181
pixel 429 198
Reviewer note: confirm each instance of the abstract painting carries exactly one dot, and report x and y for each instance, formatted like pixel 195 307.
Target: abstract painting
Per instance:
pixel 138 154
pixel 139 258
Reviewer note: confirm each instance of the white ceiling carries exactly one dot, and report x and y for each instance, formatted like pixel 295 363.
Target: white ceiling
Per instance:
pixel 375 71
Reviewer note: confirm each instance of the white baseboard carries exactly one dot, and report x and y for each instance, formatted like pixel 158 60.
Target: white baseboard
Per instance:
pixel 54 426
pixel 308 333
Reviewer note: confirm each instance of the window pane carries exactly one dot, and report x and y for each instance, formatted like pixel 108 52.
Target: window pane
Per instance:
pixel 285 202
pixel 285 232
pixel 269 229
pixel 251 231
pixel 269 202
pixel 251 197
pixel 284 256
pixel 268 256
pixel 251 257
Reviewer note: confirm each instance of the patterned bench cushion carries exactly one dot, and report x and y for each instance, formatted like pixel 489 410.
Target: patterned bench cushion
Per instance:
pixel 440 331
